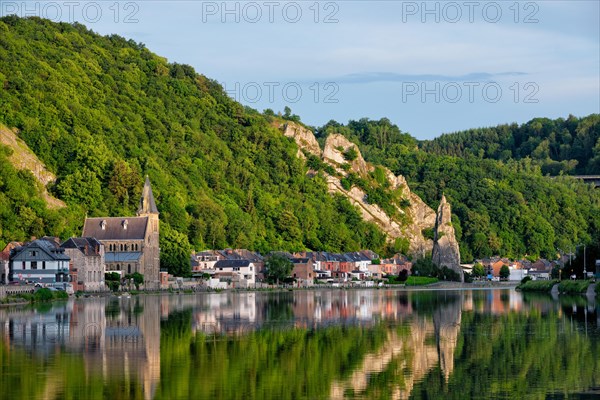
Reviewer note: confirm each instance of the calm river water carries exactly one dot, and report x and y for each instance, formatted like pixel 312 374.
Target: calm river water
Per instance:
pixel 323 344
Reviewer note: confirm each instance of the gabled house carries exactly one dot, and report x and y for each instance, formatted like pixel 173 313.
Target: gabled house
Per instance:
pixel 87 263
pixel 240 273
pixel 40 261
pixel 303 271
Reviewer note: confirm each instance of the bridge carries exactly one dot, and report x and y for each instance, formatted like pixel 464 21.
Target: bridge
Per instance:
pixel 593 179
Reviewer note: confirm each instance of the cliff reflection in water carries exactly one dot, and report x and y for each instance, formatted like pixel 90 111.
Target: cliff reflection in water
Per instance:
pixel 303 344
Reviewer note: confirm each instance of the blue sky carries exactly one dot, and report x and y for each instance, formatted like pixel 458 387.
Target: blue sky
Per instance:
pixel 430 67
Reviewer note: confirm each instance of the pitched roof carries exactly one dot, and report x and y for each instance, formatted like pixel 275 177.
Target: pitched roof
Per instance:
pixel 232 263
pixel 87 245
pixel 115 228
pixel 48 247
pixel 299 260
pixel 147 204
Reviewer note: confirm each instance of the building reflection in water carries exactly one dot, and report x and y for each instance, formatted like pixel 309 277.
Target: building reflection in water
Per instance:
pixel 121 336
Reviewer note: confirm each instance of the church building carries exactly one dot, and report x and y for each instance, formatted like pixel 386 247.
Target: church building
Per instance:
pixel 131 244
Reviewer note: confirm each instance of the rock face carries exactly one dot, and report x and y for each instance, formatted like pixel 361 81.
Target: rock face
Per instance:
pixel 24 158
pixel 445 247
pixel 304 139
pixel 413 219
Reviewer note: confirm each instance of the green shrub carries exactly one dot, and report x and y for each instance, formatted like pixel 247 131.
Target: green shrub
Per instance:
pixel 526 279
pixel 43 294
pixel 351 154
pixel 420 280
pixel 60 294
pixel 537 286
pixel 573 286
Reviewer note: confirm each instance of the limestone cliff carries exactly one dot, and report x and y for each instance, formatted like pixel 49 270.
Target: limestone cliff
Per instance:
pixel 23 157
pixel 304 139
pixel 445 246
pixel 408 222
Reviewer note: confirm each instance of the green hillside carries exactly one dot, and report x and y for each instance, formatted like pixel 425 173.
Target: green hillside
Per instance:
pixel 507 208
pixel 102 111
pixel 569 146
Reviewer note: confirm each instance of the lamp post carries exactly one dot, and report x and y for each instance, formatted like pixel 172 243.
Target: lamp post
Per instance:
pixel 584 269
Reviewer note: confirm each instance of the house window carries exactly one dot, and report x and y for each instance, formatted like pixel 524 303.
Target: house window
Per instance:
pixel 121 247
pixel 43 264
pixel 34 265
pixel 128 268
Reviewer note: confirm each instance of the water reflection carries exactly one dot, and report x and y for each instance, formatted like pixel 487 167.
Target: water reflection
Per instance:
pixel 303 344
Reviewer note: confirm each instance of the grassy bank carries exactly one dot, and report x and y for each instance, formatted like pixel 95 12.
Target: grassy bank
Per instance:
pixel 537 286
pixel 420 280
pixel 573 286
pixel 567 286
pixel 41 295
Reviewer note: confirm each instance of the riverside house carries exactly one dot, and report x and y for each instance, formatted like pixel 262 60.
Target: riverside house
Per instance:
pixel 40 261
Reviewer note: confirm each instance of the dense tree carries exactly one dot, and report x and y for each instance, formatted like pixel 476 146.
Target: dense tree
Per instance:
pixel 504 272
pixel 278 267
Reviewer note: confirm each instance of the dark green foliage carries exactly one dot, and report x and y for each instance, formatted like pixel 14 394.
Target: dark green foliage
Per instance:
pixel 557 146
pixel 351 154
pixel 278 268
pixel 43 294
pixel 102 111
pixel 479 271
pixel 428 233
pixel 504 272
pixel 424 267
pixel 574 287
pixel 537 286
pixel 112 280
pixel 138 279
pixel 526 279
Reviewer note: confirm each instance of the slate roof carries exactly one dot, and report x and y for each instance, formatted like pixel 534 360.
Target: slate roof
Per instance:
pixel 115 229
pixel 232 263
pixel 125 256
pixel 87 245
pixel 46 246
pixel 299 260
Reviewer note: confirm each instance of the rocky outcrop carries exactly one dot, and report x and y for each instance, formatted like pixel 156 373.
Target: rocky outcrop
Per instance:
pixel 304 138
pixel 446 252
pixel 410 220
pixel 23 158
pixel 334 153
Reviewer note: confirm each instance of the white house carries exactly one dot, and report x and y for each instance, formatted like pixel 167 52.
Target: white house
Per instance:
pixel 240 273
pixel 41 261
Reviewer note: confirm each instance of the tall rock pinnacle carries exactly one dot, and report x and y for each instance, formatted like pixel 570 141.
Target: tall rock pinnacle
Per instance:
pixel 445 247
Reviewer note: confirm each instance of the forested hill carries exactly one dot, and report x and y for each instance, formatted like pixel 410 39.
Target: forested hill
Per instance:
pixel 509 207
pixel 569 146
pixel 102 111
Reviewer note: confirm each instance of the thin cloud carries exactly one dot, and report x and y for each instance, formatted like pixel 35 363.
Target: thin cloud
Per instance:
pixel 372 77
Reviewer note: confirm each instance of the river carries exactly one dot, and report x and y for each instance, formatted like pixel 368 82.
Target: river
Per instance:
pixel 319 344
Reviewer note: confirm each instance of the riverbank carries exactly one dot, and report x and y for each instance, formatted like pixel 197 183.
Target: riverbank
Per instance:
pixel 39 296
pixel 561 287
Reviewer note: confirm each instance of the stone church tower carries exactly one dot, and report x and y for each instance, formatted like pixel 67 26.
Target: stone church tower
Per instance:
pixel 131 244
pixel 152 254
